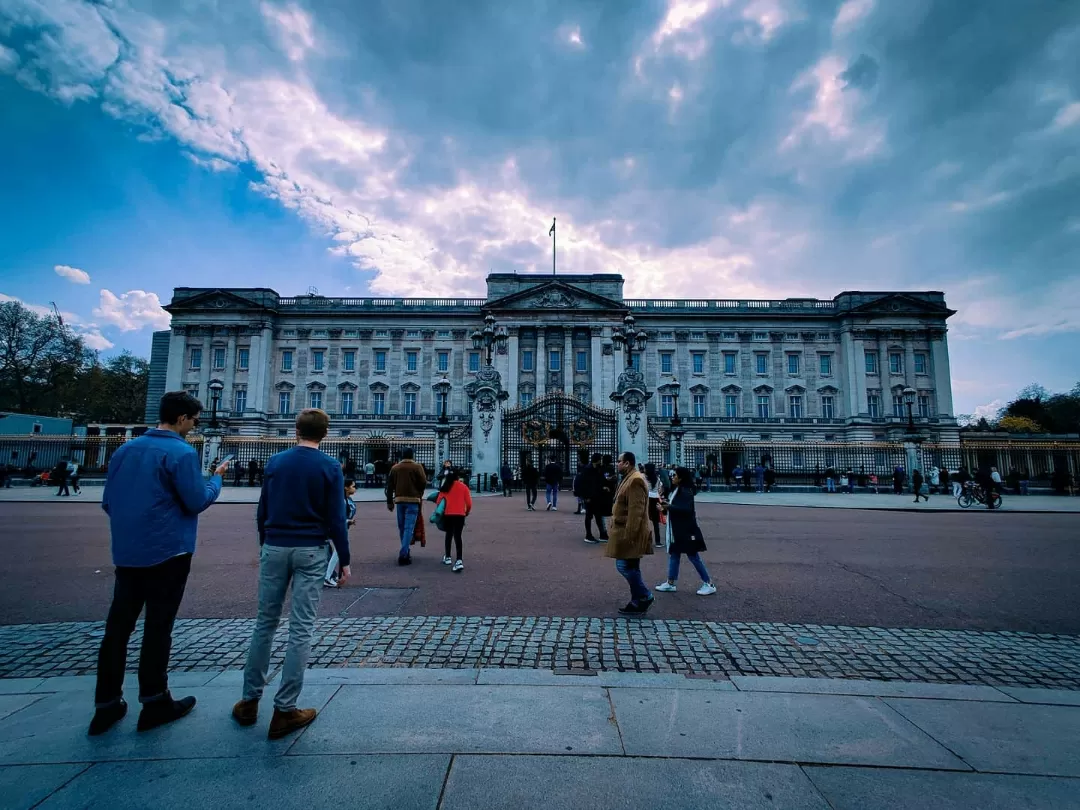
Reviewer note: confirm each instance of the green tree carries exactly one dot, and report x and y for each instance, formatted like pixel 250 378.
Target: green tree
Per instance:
pixel 40 362
pixel 1020 424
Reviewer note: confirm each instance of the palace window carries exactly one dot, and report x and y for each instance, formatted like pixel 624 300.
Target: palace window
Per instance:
pixel 284 402
pixel 793 365
pixel 697 336
pixel 924 406
pixel 635 362
pixel 243 358
pixel 320 333
pixel 348 360
pixel 761 335
pixel 444 361
pixel 827 407
pixel 554 360
pixel 411 360
pixel 286 360
pixel 699 405
pixel 412 333
pixel 730 363
pixel 526 360
pixel 873 406
pixel 380 360
pixel 443 333
pixel 240 400
pixel 351 333
pixel 761 363
pixel 825 365
pixel 797 459
pixel 315 399
pixel 382 333
pixel 474 362
pixel 318 360
pixel 795 404
pixel 896 363
pixel 442 403
pixel 346 403
pixel 410 403
pixel 666 362
pixel 193 390
pixel 526 398
pixel 667 406
pixel 378 403
pixel 731 406
pixel 697 360
pixel 871 362
pixel 219 359
pixel 763 406
pixel 196 359
pixel 898 409
pixel 582 361
pixel 920 363
pixel 729 336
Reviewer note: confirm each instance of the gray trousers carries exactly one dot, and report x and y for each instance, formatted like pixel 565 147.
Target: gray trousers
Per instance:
pixel 279 566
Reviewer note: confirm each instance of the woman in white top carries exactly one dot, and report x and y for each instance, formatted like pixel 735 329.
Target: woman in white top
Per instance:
pixel 653 480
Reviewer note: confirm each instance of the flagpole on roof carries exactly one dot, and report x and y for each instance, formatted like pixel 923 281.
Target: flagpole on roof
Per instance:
pixel 551 233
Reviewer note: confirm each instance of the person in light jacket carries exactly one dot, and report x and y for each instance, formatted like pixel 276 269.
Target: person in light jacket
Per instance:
pixel 683 534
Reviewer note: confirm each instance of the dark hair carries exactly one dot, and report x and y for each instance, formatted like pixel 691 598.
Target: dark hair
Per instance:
pixel 407 452
pixel 650 473
pixel 686 478
pixel 596 457
pixel 448 481
pixel 628 457
pixel 350 482
pixel 176 404
pixel 312 424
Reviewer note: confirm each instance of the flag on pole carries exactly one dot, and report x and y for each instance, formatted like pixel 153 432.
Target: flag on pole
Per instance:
pixel 552 231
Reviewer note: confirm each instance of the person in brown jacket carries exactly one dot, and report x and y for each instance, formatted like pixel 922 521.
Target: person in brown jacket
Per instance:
pixel 405 487
pixel 630 538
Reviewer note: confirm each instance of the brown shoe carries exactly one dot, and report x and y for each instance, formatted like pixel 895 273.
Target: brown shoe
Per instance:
pixel 246 712
pixel 287 722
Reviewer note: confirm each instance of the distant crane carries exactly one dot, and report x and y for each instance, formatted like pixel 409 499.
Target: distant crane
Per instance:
pixel 59 317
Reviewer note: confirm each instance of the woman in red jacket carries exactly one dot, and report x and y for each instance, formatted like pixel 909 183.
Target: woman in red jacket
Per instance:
pixel 458 505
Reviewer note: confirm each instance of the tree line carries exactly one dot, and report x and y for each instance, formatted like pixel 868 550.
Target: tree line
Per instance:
pixel 1035 410
pixel 46 369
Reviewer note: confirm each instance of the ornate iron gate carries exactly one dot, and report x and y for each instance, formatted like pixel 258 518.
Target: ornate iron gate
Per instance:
pixel 659 446
pixel 558 426
pixel 461 447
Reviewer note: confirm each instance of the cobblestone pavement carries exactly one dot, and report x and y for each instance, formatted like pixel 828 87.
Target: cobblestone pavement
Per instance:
pixel 707 649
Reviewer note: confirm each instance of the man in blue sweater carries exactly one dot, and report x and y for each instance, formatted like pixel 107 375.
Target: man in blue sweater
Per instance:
pixel 301 508
pixel 153 495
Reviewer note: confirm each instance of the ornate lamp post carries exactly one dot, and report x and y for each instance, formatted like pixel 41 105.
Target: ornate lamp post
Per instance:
pixel 489 336
pixel 215 403
pixel 442 393
pixel 909 399
pixel 442 427
pixel 629 337
pixel 676 433
pixel 213 431
pixel 912 440
pixel 675 388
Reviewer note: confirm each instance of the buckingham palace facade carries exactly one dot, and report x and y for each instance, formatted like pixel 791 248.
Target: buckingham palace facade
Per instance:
pixel 797 369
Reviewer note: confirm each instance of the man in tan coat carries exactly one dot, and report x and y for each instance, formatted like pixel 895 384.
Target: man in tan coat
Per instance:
pixel 630 536
pixel 405 490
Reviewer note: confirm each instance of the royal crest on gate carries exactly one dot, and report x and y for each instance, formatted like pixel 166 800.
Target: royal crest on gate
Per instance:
pixel 534 432
pixel 581 432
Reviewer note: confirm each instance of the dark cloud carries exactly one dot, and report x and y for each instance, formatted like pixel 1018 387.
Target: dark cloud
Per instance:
pixel 862 73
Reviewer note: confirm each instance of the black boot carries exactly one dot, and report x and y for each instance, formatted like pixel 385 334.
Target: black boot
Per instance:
pixel 108 716
pixel 161 712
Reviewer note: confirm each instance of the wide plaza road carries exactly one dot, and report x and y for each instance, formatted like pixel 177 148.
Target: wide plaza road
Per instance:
pixel 973 570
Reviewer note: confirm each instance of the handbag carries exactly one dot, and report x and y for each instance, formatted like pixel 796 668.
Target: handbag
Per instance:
pixel 437 515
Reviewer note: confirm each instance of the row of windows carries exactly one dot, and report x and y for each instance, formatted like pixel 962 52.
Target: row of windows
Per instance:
pixel 896 363
pixel 217 358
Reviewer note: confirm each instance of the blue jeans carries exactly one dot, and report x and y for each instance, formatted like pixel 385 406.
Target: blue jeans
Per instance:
pixel 830 484
pixel 695 559
pixel 279 567
pixel 631 571
pixel 552 495
pixel 406 524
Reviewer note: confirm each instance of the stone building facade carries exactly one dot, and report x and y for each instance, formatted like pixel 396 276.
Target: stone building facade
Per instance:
pixel 797 369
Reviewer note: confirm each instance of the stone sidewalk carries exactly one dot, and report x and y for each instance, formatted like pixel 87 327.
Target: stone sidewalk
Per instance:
pixel 937 503
pixel 482 738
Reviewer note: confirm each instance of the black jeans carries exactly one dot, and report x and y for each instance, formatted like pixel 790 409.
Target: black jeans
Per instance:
pixel 158 588
pixel 63 482
pixel 508 489
pixel 590 515
pixel 453 525
pixel 530 494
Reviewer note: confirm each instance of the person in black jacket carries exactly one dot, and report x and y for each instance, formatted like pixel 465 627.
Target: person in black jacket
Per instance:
pixel 553 473
pixel 917 484
pixel 598 493
pixel 530 477
pixel 683 533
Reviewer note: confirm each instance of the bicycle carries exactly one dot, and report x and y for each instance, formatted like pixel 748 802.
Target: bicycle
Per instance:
pixel 973 493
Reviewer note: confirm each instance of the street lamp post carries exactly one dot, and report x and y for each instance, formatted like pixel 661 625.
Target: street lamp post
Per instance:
pixel 215 403
pixel 675 434
pixel 912 440
pixel 629 337
pixel 490 336
pixel 909 399
pixel 213 430
pixel 442 391
pixel 442 426
pixel 675 388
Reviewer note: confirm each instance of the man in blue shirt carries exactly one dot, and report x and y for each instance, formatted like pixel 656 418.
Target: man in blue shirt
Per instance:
pixel 301 509
pixel 153 495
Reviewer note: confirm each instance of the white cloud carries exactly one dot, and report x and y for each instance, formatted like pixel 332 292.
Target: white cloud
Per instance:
pixel 214 164
pixel 1067 116
pixel 571 35
pixel 95 340
pixel 767 15
pixel 9 60
pixel 73 274
pixel 132 310
pixel 988 305
pixel 851 15
pixel 70 318
pixel 989 411
pixel 292 26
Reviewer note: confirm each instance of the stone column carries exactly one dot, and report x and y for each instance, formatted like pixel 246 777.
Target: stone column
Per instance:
pixel 515 364
pixel 675 446
pixel 541 361
pixel 488 397
pixel 442 445
pixel 939 358
pixel 211 448
pixel 177 349
pixel 228 398
pixel 854 382
pixel 909 360
pixel 596 340
pixel 631 400
pixel 567 364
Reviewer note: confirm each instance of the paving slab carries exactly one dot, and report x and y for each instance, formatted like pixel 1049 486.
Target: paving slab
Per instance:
pixel 464 719
pixel 830 729
pixel 603 783
pixel 893 789
pixel 19 686
pixel 1056 697
pixel 389 675
pixel 843 686
pixel 630 680
pixel 86 683
pixel 53 729
pixel 1004 737
pixel 234 678
pixel 23 786
pixel 400 782
pixel 10 704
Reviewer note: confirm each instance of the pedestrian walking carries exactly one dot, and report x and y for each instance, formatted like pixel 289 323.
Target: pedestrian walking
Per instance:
pixel 629 535
pixel 530 477
pixel 73 476
pixel 946 485
pixel 458 501
pixel 917 485
pixel 653 480
pixel 506 475
pixel 300 510
pixel 331 580
pixel 252 471
pixel 59 477
pixel 405 487
pixel 683 534
pixel 553 474
pixel 737 474
pixel 597 492
pixel 153 495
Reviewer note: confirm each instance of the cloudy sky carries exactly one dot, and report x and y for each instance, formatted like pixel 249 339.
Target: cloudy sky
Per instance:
pixel 721 148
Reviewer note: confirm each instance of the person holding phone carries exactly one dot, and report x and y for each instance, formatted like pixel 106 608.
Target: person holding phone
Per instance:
pixel 683 533
pixel 333 569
